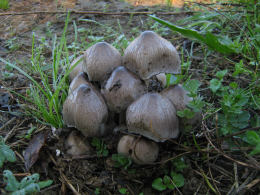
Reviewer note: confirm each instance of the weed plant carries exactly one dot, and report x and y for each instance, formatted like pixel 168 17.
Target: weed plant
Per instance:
pixel 230 34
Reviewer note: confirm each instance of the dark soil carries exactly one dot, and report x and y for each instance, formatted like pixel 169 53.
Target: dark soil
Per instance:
pixel 85 174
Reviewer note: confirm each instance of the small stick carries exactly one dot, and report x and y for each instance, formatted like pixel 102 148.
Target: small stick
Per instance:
pixel 9 134
pixel 253 183
pixel 7 123
pixel 63 177
pixel 225 155
pixel 96 12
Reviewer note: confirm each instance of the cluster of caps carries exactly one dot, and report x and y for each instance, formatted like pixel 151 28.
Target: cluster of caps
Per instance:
pixel 105 83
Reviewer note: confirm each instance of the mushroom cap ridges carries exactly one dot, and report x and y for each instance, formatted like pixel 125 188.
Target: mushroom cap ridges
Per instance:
pixel 178 96
pixel 121 89
pixel 81 78
pixel 141 150
pixel 154 117
pixel 86 110
pixel 149 54
pixel 100 60
pixel 76 69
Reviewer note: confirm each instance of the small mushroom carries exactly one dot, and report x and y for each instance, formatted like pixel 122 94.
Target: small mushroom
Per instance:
pixel 162 79
pixel 149 54
pixel 77 69
pixel 100 60
pixel 81 78
pixel 178 96
pixel 85 109
pixel 141 150
pixel 180 99
pixel 154 117
pixel 121 89
pixel 76 146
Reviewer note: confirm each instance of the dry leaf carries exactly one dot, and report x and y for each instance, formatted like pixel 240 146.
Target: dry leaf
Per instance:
pixel 31 153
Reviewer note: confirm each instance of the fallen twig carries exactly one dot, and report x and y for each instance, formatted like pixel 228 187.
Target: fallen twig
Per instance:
pixel 63 177
pixel 97 13
pixel 223 154
pixel 7 123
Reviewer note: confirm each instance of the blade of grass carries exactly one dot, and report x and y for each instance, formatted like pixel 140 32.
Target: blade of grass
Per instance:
pixel 207 38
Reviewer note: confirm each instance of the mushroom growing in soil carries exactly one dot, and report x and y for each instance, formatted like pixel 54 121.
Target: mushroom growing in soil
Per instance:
pixel 76 146
pixel 81 78
pixel 149 54
pixel 180 99
pixel 85 109
pixel 77 69
pixel 154 117
pixel 141 150
pixel 100 60
pixel 121 89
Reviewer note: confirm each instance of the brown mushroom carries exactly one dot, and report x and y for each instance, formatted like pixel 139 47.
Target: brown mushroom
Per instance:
pixel 81 78
pixel 100 60
pixel 77 69
pixel 162 79
pixel 76 146
pixel 141 150
pixel 85 109
pixel 154 117
pixel 180 99
pixel 178 96
pixel 121 89
pixel 149 54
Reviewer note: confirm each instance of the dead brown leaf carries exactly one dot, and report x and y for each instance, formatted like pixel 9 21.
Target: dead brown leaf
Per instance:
pixel 31 153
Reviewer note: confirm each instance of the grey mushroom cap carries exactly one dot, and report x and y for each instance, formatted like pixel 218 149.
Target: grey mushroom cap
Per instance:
pixel 81 78
pixel 154 117
pixel 100 60
pixel 76 146
pixel 121 89
pixel 77 69
pixel 178 96
pixel 180 99
pixel 149 54
pixel 85 109
pixel 141 150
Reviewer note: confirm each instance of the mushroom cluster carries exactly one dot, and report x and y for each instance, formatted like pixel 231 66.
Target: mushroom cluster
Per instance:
pixel 130 90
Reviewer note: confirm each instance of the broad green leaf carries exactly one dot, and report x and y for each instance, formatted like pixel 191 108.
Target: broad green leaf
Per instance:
pixel 123 190
pixel 168 182
pixel 192 86
pixel 221 74
pixel 44 184
pixel 233 85
pixel 29 180
pixel 239 121
pixel 256 150
pixel 19 192
pixel 215 84
pixel 10 180
pixel 6 152
pixel 207 38
pixel 121 160
pixel 31 188
pixel 187 113
pixel 252 137
pixel 177 179
pixel 2 159
pixel 179 164
pixel 196 104
pixel 158 184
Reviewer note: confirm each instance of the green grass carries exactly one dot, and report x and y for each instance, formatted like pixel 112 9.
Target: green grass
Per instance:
pixel 4 4
pixel 237 34
pixel 47 93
